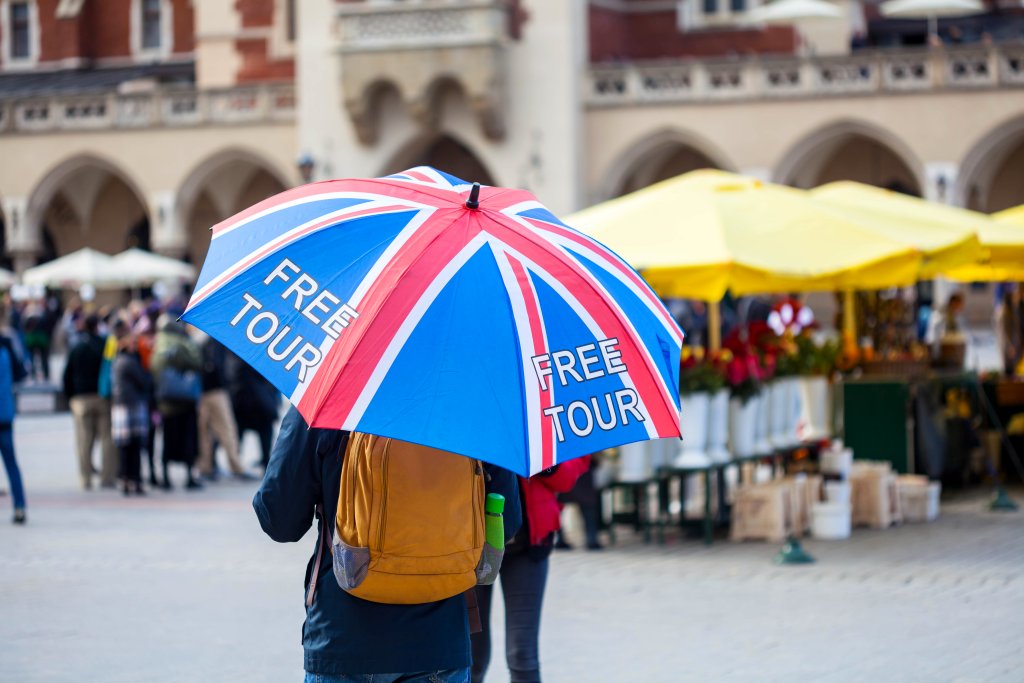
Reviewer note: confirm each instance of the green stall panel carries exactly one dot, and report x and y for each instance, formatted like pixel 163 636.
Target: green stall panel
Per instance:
pixel 876 421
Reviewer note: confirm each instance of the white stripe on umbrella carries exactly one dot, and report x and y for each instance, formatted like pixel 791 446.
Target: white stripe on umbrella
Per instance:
pixel 412 320
pixel 382 262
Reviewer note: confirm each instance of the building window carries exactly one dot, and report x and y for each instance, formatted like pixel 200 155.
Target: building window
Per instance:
pixel 152 20
pixel 290 20
pixel 710 6
pixel 738 6
pixel 21 31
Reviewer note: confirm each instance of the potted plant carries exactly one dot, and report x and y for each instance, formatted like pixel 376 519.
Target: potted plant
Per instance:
pixel 698 380
pixel 745 374
pixel 718 424
pixel 816 362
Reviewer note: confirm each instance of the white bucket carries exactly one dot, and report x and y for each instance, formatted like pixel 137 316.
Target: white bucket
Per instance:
pixel 838 462
pixel 694 421
pixel 718 427
pixel 830 521
pixel 837 492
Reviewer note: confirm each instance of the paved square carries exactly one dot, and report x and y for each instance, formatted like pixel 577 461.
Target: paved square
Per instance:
pixel 184 587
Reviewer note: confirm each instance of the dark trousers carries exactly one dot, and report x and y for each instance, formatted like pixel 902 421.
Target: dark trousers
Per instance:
pixel 265 432
pixel 11 465
pixel 131 460
pixel 522 585
pixel 39 358
pixel 151 452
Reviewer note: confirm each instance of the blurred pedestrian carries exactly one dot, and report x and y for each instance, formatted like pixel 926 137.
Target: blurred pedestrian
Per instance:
pixel 216 418
pixel 1009 324
pixel 176 366
pixel 12 371
pixel 586 496
pixel 523 575
pixel 145 336
pixel 946 323
pixel 130 389
pixel 256 404
pixel 37 340
pixel 91 411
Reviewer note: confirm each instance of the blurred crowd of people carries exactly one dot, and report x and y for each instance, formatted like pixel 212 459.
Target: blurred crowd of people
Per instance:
pixel 136 372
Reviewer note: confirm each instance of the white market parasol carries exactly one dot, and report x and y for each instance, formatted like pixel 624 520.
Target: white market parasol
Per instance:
pixel 790 11
pixel 930 10
pixel 140 268
pixel 7 278
pixel 85 266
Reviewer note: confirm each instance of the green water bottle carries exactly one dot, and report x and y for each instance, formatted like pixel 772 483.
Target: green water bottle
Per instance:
pixel 493 522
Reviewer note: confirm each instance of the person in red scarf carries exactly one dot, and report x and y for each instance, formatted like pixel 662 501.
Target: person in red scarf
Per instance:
pixel 524 572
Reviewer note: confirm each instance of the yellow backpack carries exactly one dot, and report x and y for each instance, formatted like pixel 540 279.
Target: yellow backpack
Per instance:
pixel 410 522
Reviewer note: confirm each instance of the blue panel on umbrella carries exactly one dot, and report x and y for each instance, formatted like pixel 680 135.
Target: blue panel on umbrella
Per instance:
pixel 234 245
pixel 544 215
pixel 461 360
pixel 590 406
pixel 337 259
pixel 647 325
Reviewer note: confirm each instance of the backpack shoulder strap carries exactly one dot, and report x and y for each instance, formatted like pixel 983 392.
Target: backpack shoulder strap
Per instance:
pixel 324 533
pixel 326 538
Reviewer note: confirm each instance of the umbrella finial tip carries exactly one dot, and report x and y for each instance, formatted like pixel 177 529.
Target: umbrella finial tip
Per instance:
pixel 474 197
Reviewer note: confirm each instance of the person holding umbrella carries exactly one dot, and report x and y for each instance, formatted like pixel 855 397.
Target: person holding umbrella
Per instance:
pixel 346 638
pixel 448 316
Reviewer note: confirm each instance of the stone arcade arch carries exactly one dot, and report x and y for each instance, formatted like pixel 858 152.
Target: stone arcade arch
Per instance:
pixel 658 157
pixel 85 201
pixel 445 153
pixel 219 186
pixel 851 150
pixel 991 175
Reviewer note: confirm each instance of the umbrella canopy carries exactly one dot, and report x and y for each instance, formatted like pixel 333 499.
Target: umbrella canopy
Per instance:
pixel 422 308
pixel 85 266
pixel 140 268
pixel 699 234
pixel 1002 240
pixel 7 278
pixel 790 11
pixel 922 9
pixel 947 236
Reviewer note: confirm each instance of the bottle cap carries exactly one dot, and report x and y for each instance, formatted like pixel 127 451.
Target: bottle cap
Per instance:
pixel 495 503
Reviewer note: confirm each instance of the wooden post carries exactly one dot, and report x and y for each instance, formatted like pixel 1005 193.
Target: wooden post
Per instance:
pixel 849 318
pixel 714 325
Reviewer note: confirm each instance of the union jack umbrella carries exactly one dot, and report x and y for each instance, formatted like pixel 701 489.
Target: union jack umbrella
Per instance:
pixel 427 309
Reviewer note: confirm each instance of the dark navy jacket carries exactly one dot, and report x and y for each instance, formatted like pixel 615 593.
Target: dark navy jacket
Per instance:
pixel 344 634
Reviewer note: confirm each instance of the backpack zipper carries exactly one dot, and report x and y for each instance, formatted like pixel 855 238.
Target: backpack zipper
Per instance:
pixel 384 497
pixel 478 471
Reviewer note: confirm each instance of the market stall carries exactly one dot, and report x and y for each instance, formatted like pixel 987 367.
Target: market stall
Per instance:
pixel 766 397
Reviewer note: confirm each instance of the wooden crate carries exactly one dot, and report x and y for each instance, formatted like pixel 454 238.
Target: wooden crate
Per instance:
pixel 919 499
pixel 804 493
pixel 875 498
pixel 763 512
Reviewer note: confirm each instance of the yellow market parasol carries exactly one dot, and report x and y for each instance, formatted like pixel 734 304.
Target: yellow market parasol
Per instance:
pixel 1002 240
pixel 947 236
pixel 699 234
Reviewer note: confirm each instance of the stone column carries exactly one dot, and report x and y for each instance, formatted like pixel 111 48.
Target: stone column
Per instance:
pixel 22 233
pixel 167 232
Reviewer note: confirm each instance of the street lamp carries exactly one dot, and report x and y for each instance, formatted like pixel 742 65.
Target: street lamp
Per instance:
pixel 305 165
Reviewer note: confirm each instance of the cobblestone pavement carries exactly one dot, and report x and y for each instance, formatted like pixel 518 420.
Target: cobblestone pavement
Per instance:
pixel 184 587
